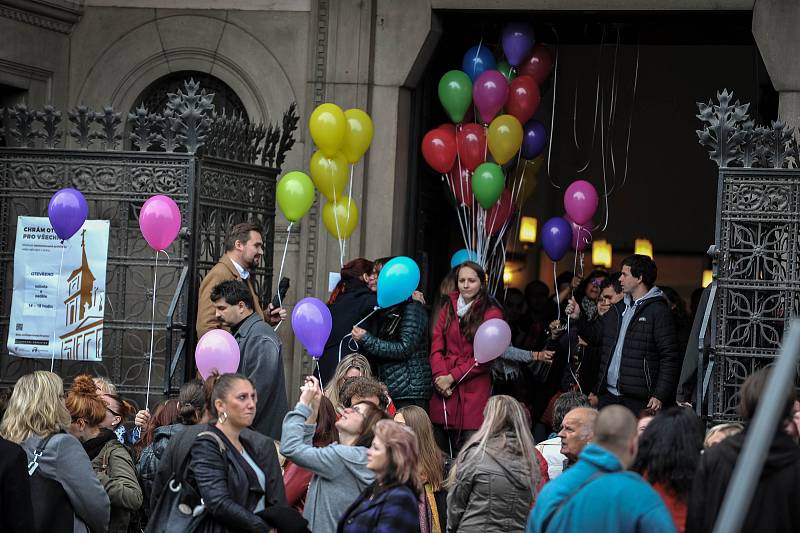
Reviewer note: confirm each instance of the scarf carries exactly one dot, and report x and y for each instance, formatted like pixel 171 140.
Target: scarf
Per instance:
pixel 95 444
pixel 428 512
pixel 462 307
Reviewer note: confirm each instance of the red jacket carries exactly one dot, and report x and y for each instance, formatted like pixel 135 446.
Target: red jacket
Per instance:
pixel 451 354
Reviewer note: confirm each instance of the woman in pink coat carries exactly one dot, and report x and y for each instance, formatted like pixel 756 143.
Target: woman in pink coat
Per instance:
pixel 462 386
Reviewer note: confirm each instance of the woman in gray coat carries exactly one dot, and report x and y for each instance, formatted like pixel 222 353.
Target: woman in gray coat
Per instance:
pixel 36 415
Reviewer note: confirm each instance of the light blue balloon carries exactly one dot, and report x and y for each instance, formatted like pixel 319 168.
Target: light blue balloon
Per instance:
pixel 398 279
pixel 462 256
pixel 477 60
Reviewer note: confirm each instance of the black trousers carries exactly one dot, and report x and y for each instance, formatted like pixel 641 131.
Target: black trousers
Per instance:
pixel 450 441
pixel 636 405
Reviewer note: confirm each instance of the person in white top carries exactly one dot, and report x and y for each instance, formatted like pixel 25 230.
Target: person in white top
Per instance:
pixel 551 448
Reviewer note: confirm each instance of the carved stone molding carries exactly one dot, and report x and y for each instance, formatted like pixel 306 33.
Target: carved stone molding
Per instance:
pixel 54 15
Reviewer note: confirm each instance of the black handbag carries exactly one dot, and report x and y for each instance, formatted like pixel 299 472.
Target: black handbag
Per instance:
pixel 54 511
pixel 180 508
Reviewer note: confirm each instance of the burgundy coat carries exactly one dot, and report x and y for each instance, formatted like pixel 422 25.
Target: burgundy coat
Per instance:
pixel 451 354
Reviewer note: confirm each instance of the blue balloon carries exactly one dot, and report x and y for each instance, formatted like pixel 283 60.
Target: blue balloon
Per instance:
pixel 398 279
pixel 477 60
pixel 556 236
pixel 462 256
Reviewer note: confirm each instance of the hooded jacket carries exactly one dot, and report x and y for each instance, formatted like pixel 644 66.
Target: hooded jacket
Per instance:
pixel 493 490
pixel 113 465
pixel 774 506
pixel 650 364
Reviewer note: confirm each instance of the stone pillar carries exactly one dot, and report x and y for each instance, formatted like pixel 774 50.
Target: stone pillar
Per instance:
pixel 775 28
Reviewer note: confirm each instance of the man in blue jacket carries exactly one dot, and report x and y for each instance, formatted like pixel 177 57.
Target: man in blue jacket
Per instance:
pixel 598 494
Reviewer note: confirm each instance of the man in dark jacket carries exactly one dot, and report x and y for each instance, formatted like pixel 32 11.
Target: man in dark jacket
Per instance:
pixel 639 363
pixel 260 354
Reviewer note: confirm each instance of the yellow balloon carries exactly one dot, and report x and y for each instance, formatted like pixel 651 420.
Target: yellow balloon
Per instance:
pixel 328 126
pixel 358 135
pixel 505 138
pixel 529 174
pixel 329 174
pixel 340 217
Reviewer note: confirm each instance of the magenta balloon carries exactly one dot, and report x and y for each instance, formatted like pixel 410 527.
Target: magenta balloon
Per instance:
pixel 580 201
pixel 216 350
pixel 312 322
pixel 160 221
pixel 581 234
pixel 491 340
pixel 490 93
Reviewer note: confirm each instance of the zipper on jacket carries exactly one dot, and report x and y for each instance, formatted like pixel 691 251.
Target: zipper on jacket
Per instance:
pixel 647 375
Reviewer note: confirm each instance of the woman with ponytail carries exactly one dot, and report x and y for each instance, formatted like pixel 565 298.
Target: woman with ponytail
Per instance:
pixel 111 461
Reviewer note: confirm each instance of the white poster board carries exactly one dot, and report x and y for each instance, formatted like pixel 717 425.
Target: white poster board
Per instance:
pixel 54 315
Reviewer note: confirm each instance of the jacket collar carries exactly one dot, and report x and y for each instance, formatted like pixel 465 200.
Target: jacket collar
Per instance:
pixel 600 458
pixel 225 260
pixel 247 324
pixel 378 499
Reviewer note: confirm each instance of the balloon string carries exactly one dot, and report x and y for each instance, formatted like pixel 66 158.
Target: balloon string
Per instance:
pixel 55 312
pixel 446 429
pixel 166 254
pixel 466 373
pixel 350 341
pixel 630 118
pixel 319 372
pixel 555 286
pixel 553 114
pixel 280 271
pixel 350 190
pixel 603 153
pixel 152 335
pixel 596 99
pixel 612 112
pixel 338 232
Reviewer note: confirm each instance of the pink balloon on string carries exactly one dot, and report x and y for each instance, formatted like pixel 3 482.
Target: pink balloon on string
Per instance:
pixel 216 350
pixel 581 201
pixel 490 93
pixel 491 340
pixel 160 221
pixel 581 234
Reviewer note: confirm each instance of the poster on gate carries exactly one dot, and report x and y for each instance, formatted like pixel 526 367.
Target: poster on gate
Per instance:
pixel 52 315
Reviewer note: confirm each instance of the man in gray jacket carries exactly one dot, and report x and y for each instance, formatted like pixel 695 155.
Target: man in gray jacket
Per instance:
pixel 260 353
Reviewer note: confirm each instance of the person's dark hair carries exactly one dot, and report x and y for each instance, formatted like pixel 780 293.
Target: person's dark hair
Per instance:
pixel 565 278
pixel 220 385
pixel 326 432
pixel 669 450
pixel 192 402
pixel 642 266
pixel 351 273
pixel 474 317
pixel 612 281
pixel 165 414
pixel 375 415
pixel 566 403
pixel 753 389
pixel 5 396
pixel 240 232
pixel 124 409
pixel 377 265
pixel 232 291
pixel 580 290
pixel 679 313
pixel 363 386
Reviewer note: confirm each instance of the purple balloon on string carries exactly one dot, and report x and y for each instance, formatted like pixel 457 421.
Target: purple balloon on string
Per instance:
pixel 67 211
pixel 518 40
pixel 490 93
pixel 556 236
pixel 534 139
pixel 312 322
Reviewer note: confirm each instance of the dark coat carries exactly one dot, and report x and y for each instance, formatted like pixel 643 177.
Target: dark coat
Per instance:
pixel 394 510
pixel 650 363
pixel 227 484
pixel 774 505
pixel 178 447
pixel 16 511
pixel 147 466
pixel 261 361
pixel 401 351
pixel 350 307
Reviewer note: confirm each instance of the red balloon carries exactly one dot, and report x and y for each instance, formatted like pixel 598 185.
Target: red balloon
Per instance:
pixel 439 149
pixel 448 126
pixel 539 65
pixel 523 98
pixel 471 144
pixel 498 215
pixel 461 189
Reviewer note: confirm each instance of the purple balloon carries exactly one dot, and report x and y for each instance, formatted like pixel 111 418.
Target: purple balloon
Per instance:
pixel 556 236
pixel 216 350
pixel 491 340
pixel 67 211
pixel 581 201
pixel 534 139
pixel 518 40
pixel 312 322
pixel 490 93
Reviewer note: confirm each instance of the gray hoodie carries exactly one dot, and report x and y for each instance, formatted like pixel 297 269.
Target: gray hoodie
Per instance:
pixel 64 460
pixel 340 472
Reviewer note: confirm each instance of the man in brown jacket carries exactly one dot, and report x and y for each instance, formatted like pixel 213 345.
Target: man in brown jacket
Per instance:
pixel 244 247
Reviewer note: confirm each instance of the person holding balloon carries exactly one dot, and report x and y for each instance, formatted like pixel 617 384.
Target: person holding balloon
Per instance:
pixel 462 384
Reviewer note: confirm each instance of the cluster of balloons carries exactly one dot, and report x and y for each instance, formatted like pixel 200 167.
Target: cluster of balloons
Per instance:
pixel 503 96
pixel 574 229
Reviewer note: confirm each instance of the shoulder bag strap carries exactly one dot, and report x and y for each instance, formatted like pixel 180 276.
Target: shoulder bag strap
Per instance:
pixel 554 512
pixel 37 452
pixel 221 444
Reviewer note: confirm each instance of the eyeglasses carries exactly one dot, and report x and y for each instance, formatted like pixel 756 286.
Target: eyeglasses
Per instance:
pixel 110 410
pixel 597 282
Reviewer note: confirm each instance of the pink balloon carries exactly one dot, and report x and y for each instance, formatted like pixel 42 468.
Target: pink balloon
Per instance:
pixel 160 221
pixel 490 93
pixel 491 340
pixel 216 350
pixel 581 234
pixel 580 201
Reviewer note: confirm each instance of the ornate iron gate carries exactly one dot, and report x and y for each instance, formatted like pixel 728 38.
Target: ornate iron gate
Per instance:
pixel 225 174
pixel 756 291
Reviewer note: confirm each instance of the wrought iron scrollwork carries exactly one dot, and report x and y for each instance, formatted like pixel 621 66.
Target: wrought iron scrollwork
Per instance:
pixel 81 117
pixel 50 120
pixel 24 134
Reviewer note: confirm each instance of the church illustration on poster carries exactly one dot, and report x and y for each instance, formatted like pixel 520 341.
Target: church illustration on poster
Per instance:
pixel 84 313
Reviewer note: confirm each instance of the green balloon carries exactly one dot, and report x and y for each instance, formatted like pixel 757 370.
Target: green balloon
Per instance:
pixel 488 183
pixel 455 93
pixel 295 194
pixel 505 69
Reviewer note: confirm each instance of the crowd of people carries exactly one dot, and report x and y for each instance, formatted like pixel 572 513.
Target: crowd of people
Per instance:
pixel 576 427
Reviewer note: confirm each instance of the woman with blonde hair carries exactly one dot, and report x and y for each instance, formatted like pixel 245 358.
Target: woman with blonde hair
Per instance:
pixel 433 506
pixel 500 458
pixel 68 495
pixel 352 366
pixel 391 502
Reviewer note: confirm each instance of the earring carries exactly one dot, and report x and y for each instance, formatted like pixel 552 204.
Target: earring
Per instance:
pixel 223 418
